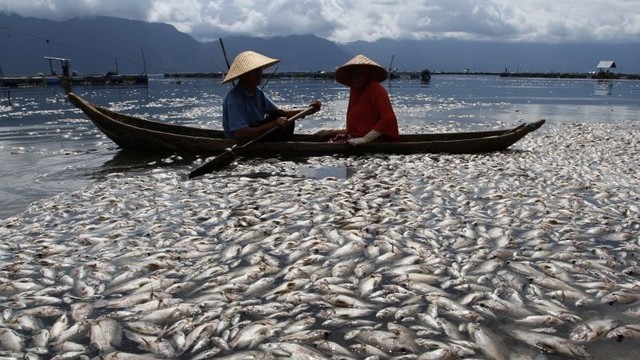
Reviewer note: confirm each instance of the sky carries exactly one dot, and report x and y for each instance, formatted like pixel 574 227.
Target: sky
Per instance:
pixel 343 21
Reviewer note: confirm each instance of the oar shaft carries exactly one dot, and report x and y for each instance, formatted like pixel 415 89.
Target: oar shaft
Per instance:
pixel 295 117
pixel 227 157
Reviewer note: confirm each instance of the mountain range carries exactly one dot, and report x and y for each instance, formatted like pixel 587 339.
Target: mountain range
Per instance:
pixel 100 44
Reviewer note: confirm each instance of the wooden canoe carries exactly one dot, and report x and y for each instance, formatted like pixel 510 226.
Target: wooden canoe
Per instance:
pixel 138 134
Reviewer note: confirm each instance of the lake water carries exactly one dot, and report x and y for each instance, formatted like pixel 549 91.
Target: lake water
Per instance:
pixel 531 246
pixel 48 147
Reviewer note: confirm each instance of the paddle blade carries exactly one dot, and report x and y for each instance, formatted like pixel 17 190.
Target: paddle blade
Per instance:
pixel 219 162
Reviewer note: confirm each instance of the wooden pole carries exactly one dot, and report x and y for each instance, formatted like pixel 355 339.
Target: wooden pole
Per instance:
pixel 144 62
pixel 224 52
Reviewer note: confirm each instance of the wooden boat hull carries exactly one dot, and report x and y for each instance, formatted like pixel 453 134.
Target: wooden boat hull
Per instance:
pixel 138 134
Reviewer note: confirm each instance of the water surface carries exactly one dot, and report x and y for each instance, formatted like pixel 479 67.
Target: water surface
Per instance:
pixel 48 147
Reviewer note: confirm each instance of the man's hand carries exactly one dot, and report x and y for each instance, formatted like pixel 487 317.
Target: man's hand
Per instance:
pixel 316 105
pixel 280 122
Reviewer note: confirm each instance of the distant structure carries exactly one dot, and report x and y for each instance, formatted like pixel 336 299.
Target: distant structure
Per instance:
pixel 604 66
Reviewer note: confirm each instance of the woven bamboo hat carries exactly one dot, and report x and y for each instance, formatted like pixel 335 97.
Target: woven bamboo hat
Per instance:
pixel 378 73
pixel 248 61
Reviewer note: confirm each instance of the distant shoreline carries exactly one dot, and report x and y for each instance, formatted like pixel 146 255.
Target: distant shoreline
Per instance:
pixel 416 75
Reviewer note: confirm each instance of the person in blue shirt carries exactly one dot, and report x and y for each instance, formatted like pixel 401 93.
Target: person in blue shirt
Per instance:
pixel 247 112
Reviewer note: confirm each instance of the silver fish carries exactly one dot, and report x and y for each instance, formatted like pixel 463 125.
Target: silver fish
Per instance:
pixel 306 336
pixel 291 350
pixel 41 338
pixel 438 354
pixel 540 320
pixel 11 340
pixel 620 297
pixel 625 332
pixel 367 285
pixel 330 347
pixel 592 330
pixel 253 334
pixel 550 344
pixel 491 345
pixel 105 334
pixel 158 346
pixel 59 326
pixel 300 325
pixel 384 340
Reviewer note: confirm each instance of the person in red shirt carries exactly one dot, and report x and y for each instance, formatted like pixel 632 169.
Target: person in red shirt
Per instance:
pixel 370 116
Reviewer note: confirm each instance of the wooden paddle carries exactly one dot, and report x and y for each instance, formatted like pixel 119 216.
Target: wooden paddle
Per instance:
pixel 228 156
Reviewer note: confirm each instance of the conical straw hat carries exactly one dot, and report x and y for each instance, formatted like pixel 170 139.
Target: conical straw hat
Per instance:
pixel 378 73
pixel 248 61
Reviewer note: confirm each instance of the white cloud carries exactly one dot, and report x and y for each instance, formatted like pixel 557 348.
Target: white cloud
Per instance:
pixel 65 9
pixel 346 20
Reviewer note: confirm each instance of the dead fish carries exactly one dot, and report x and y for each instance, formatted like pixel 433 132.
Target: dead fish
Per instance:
pixel 59 326
pixel 363 269
pixel 75 332
pixel 464 315
pixel 144 327
pixel 342 300
pixel 625 332
pixel 349 249
pixel 26 323
pixel 384 340
pixel 551 283
pixel 156 345
pixel 344 313
pixel 10 340
pixel 620 297
pixel 449 328
pixel 471 298
pixel 333 348
pixel 566 295
pixel 368 351
pixel 499 306
pixel 142 284
pixel 306 336
pixel 405 335
pixel 406 311
pixel 67 347
pixel 490 344
pixel 196 340
pixel 633 311
pixel 367 285
pixel 291 350
pixel 81 311
pixel 18 287
pixel 550 344
pixel 41 338
pixel 592 330
pixel 299 325
pixel 105 334
pixel 540 320
pixel 253 334
pixel 287 287
pixel 44 311
pixel 170 314
pixel 438 354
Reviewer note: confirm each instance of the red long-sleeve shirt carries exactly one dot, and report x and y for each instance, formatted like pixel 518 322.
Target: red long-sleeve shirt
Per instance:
pixel 370 108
